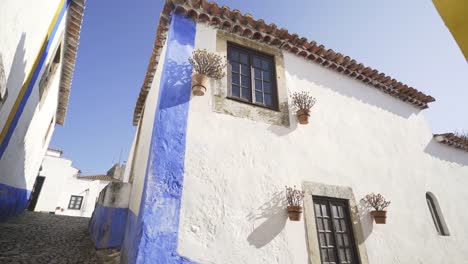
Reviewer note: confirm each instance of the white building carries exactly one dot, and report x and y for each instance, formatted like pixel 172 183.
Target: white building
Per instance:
pixel 62 190
pixel 38 45
pixel 208 173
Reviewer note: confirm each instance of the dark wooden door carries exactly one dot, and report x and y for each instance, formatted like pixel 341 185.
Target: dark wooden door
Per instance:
pixel 334 230
pixel 35 192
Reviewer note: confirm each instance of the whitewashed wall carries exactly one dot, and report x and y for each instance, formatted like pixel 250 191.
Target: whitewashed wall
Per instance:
pixel 23 27
pixel 61 183
pixel 236 170
pixel 138 158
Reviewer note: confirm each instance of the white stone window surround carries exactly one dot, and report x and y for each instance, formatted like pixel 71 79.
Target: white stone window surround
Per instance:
pixel 222 104
pixel 332 191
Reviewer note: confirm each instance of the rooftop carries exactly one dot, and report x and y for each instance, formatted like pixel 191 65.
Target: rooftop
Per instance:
pixel 453 140
pixel 245 25
pixel 71 39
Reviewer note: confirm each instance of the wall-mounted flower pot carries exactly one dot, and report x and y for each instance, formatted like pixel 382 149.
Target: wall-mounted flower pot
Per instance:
pixel 199 84
pixel 380 217
pixel 303 116
pixel 294 212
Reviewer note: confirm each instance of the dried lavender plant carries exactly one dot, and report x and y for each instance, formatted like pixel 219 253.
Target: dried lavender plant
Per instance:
pixel 377 201
pixel 302 100
pixel 207 63
pixel 294 196
pixel 463 135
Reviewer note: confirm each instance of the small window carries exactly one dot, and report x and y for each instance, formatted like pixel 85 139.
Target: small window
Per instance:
pixel 75 202
pixel 251 77
pixel 47 134
pixel 49 74
pixel 436 214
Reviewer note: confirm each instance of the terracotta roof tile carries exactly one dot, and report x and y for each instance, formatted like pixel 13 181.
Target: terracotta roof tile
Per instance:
pixel 245 25
pixel 453 140
pixel 72 36
pixel 98 178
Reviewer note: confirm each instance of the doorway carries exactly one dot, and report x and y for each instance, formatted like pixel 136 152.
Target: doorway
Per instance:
pixel 35 192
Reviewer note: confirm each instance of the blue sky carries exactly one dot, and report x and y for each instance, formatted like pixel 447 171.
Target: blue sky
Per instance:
pixel 404 39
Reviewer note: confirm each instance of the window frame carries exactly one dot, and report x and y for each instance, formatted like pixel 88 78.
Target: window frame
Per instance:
pixel 329 201
pixel 274 84
pixel 80 204
pixel 49 73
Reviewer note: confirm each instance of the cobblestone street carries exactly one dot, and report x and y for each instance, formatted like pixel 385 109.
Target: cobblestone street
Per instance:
pixel 46 238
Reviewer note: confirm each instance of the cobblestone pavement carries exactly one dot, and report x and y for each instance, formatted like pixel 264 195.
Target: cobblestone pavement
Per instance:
pixel 46 238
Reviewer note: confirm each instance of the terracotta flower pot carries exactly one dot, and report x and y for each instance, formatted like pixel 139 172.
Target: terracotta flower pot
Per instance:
pixel 380 217
pixel 199 84
pixel 294 212
pixel 303 116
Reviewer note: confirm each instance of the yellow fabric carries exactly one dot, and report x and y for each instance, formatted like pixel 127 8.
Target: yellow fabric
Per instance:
pixel 455 15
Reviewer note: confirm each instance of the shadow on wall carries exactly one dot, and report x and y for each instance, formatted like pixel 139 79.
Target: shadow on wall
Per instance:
pixel 177 75
pixel 274 211
pixel 362 212
pixel 341 84
pixel 13 200
pixel 446 153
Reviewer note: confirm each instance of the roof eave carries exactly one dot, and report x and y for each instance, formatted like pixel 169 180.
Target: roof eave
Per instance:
pixel 71 40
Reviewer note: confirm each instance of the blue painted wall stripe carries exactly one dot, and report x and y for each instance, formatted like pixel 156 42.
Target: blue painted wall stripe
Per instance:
pixel 37 70
pixel 155 230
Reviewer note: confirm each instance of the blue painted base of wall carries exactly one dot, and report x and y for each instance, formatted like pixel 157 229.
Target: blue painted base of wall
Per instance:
pixel 13 201
pixel 107 226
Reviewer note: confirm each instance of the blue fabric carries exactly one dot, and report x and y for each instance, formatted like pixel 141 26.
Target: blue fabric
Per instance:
pixel 107 226
pixel 152 236
pixel 12 201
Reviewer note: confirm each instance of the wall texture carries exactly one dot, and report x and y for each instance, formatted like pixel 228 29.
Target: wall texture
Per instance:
pixel 24 125
pixel 107 225
pixel 236 168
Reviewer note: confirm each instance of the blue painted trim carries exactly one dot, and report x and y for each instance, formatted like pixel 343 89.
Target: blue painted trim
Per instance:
pixel 12 201
pixel 107 226
pixel 155 230
pixel 37 70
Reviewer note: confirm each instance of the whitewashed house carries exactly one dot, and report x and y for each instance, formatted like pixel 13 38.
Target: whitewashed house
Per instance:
pixel 208 172
pixel 61 188
pixel 38 46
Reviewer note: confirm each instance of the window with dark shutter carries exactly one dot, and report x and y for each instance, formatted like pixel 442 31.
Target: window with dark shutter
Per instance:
pixel 334 231
pixel 251 76
pixel 75 202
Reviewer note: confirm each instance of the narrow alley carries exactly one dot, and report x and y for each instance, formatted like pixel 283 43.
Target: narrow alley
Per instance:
pixel 46 238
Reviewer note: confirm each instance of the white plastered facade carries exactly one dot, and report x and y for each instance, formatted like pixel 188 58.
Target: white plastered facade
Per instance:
pixel 359 138
pixel 61 183
pixel 23 27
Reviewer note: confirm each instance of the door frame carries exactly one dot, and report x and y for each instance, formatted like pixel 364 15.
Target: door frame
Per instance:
pixel 331 191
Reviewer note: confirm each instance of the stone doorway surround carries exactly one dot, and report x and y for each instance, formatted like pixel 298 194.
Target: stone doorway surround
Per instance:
pixel 332 191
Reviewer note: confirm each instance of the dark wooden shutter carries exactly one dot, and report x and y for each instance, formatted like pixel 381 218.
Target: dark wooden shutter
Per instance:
pixel 336 240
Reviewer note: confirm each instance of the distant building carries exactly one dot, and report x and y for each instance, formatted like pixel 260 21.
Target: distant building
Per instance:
pixel 38 47
pixel 207 173
pixel 60 188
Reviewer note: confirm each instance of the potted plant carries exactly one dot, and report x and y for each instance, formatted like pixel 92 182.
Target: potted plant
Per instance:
pixel 295 198
pixel 303 102
pixel 205 65
pixel 378 203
